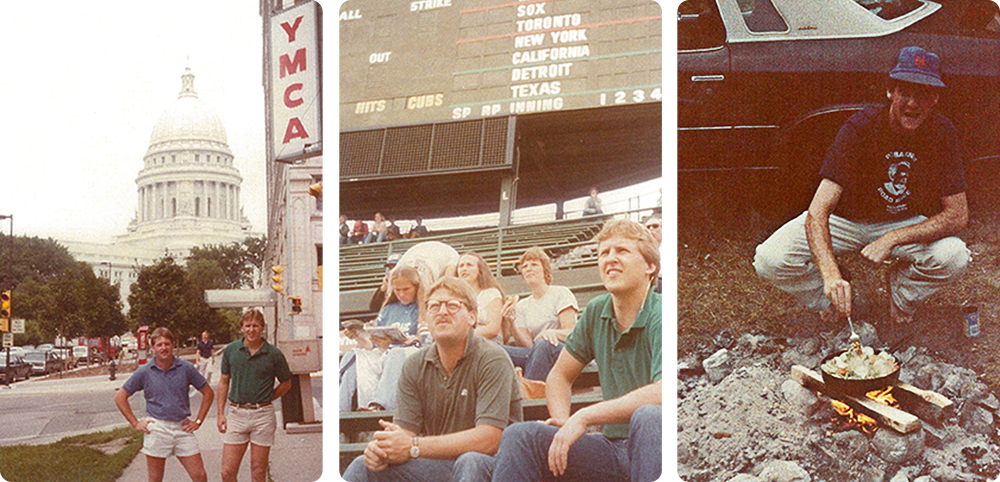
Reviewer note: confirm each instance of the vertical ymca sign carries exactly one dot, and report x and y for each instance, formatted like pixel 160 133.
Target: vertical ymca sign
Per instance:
pixel 295 83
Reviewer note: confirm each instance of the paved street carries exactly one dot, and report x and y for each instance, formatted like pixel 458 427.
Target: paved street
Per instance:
pixel 43 411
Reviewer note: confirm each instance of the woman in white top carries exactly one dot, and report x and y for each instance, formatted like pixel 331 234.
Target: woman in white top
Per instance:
pixel 489 296
pixel 539 323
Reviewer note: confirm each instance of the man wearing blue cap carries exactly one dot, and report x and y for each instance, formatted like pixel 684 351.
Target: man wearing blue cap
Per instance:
pixel 893 188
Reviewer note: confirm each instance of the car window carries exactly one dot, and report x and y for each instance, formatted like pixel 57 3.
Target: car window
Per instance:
pixel 889 9
pixel 761 16
pixel 699 25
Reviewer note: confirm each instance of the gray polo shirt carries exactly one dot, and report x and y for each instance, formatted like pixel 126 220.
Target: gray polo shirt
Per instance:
pixel 482 389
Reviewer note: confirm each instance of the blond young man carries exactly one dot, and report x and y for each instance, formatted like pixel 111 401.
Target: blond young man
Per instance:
pixel 622 331
pixel 246 387
pixel 167 427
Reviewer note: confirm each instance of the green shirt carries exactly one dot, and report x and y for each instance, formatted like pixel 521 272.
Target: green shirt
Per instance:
pixel 625 360
pixel 482 389
pixel 251 378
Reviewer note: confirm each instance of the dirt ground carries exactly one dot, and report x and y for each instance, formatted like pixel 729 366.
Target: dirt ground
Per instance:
pixel 719 226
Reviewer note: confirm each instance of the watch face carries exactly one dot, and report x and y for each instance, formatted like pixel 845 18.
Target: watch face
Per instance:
pixel 414 451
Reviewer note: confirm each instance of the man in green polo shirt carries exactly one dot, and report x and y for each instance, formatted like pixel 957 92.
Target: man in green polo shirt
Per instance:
pixel 456 395
pixel 247 373
pixel 622 331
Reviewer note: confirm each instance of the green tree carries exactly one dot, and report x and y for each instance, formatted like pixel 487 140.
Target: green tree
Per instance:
pixel 57 295
pixel 158 295
pixel 241 263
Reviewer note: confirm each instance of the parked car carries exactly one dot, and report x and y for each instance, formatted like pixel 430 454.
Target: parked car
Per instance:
pixel 81 353
pixel 43 362
pixel 18 368
pixel 764 85
pixel 66 354
pixel 45 347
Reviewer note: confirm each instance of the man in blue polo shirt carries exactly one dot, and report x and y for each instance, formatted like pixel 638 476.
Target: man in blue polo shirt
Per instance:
pixel 246 381
pixel 168 429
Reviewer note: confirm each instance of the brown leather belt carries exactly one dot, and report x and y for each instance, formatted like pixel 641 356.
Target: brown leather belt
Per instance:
pixel 249 406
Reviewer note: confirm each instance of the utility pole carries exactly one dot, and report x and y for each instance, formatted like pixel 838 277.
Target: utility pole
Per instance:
pixel 9 286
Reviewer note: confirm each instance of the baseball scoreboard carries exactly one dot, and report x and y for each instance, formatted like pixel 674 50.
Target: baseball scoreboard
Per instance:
pixel 406 63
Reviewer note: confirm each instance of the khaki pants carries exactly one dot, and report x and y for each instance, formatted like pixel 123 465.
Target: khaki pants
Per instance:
pixel 785 260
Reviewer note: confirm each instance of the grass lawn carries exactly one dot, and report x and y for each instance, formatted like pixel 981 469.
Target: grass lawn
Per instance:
pixel 94 457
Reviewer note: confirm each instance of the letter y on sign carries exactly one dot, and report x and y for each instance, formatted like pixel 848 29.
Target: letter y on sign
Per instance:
pixel 290 29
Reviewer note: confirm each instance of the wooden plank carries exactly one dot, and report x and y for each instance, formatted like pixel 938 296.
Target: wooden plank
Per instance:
pixel 930 406
pixel 895 418
pixel 355 422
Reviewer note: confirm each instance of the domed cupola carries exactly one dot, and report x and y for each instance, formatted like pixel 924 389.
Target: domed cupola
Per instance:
pixel 188 122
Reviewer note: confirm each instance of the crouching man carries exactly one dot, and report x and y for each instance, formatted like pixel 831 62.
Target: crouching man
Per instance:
pixel 621 330
pixel 456 396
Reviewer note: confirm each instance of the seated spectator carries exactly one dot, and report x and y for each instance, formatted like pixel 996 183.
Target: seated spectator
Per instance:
pixel 378 297
pixel 432 259
pixel 655 226
pixel 417 231
pixel 392 231
pixel 379 230
pixel 593 205
pixel 373 369
pixel 539 323
pixel 489 295
pixel 622 331
pixel 456 397
pixel 345 230
pixel 359 233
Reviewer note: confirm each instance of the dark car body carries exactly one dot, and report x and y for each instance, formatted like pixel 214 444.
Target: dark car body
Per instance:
pixel 19 369
pixel 43 362
pixel 764 85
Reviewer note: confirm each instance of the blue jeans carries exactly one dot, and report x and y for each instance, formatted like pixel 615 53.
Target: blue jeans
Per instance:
pixel 388 384
pixel 385 392
pixel 535 361
pixel 469 467
pixel 348 381
pixel 524 452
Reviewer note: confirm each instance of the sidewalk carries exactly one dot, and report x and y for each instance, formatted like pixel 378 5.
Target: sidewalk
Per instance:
pixel 294 457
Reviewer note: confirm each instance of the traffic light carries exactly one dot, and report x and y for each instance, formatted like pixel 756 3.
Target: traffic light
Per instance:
pixel 5 311
pixel 316 190
pixel 296 304
pixel 278 278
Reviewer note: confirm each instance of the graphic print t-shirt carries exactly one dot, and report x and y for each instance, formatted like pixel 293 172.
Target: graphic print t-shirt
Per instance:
pixel 888 176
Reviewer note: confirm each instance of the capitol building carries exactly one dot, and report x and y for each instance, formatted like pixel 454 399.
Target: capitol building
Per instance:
pixel 188 194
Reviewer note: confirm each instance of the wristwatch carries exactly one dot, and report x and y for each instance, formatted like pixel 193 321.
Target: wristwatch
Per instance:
pixel 414 450
pixel 198 421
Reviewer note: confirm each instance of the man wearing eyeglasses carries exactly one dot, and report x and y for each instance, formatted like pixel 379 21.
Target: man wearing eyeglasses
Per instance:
pixel 622 331
pixel 456 396
pixel 893 188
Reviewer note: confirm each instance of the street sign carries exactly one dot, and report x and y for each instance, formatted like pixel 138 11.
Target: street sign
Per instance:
pixel 8 340
pixel 17 325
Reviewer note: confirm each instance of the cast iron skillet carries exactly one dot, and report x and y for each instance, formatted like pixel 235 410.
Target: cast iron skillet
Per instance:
pixel 858 387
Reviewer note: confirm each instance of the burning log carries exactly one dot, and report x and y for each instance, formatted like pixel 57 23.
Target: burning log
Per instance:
pixel 895 418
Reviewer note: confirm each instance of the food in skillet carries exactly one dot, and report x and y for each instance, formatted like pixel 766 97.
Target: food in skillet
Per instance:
pixel 860 364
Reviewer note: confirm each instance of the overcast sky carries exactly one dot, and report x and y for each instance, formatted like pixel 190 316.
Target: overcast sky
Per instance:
pixel 83 85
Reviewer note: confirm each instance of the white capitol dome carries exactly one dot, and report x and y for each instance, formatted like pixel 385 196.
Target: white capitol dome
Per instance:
pixel 188 120
pixel 188 188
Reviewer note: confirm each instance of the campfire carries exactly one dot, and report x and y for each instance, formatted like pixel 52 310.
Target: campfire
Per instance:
pixel 900 406
pixel 848 419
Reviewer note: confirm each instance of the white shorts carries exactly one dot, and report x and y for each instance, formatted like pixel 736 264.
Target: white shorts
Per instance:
pixel 168 438
pixel 256 426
